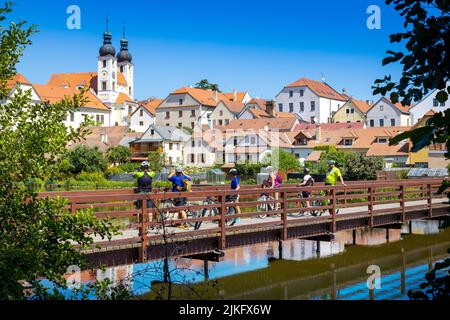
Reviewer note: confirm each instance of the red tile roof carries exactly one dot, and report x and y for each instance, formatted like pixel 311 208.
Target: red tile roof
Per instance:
pixel 328 126
pixel 319 88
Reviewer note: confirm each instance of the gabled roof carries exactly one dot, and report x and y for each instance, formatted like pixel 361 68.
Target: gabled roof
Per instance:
pixel 260 124
pixel 363 106
pixel 398 105
pixel 55 94
pixel 150 105
pixel 259 114
pixel 166 133
pixel 204 97
pixel 114 136
pixel 328 126
pixel 17 78
pixel 234 106
pixel 122 98
pixel 319 88
pixel 239 96
pixel 73 80
pixel 260 102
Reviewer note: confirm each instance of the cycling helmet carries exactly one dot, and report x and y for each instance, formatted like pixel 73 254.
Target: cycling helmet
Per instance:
pixel 330 162
pixel 233 171
pixel 145 164
pixel 179 170
pixel 306 170
pixel 269 169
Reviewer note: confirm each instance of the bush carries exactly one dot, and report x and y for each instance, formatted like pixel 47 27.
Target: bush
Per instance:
pixel 118 155
pixel 128 167
pixel 91 176
pixel 83 158
pixel 157 160
pixel 112 170
pixel 249 169
pixel 286 161
pixel 360 167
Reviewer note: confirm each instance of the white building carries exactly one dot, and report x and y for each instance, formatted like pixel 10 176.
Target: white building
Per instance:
pixel 144 116
pixel 426 104
pixel 312 100
pixel 386 114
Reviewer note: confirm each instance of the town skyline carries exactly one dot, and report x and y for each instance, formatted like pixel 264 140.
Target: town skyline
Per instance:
pixel 164 61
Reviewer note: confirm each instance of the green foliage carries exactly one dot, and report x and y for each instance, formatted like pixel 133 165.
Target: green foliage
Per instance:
pixel 329 153
pixel 360 167
pixel 425 66
pixel 205 85
pixel 249 169
pixel 402 174
pixel 36 235
pixel 285 160
pixel 91 176
pixel 83 158
pixel 118 155
pixel 157 160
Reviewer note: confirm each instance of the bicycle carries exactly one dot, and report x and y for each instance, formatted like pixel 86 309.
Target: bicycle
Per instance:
pixel 312 204
pixel 169 215
pixel 265 207
pixel 215 212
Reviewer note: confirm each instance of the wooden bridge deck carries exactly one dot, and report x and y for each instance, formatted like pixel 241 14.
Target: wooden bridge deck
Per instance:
pixel 370 204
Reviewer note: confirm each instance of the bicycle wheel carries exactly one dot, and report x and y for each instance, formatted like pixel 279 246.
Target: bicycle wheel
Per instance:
pixel 262 207
pixel 191 215
pixel 230 221
pixel 166 215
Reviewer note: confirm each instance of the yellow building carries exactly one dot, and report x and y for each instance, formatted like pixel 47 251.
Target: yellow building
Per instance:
pixel 352 111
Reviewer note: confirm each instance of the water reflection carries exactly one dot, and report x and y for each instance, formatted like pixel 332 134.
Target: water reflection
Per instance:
pixel 304 269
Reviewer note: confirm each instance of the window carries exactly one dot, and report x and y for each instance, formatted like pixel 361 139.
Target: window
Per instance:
pixel 235 142
pixel 170 146
pixel 227 121
pixel 435 102
pixel 442 104
pixel 102 119
pixel 192 158
pixel 381 108
pixel 167 115
pixel 350 110
pixel 72 116
pixel 141 123
pixel 170 161
pixel 302 92
pixel 114 86
pixel 247 139
pixel 348 142
pixel 121 68
pixel 291 94
pixel 192 125
pixel 103 85
pixel 192 113
pixel 104 63
pixel 381 122
pixel 313 105
pixel 152 132
pixel 372 123
pixel 253 140
pixel 221 113
pixel 180 114
pixel 180 102
pixel 291 107
pixel 302 106
pixel 203 158
pixel 97 118
pixel 129 91
pixel 220 122
pixel 382 140
pixel 193 143
pixel 280 107
pixel 130 109
pixel 313 120
pixel 141 113
pixel 167 125
pixel 392 122
pixel 180 124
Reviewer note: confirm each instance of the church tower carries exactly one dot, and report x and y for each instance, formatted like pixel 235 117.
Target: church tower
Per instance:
pixel 125 66
pixel 107 69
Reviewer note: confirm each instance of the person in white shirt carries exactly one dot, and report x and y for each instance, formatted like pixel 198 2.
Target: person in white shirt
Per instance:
pixel 308 181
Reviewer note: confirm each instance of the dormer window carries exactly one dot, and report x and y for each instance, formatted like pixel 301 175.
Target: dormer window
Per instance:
pixel 382 140
pixel 348 142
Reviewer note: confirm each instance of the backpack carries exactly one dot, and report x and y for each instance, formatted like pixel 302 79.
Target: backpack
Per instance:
pixel 279 180
pixel 145 183
pixel 186 185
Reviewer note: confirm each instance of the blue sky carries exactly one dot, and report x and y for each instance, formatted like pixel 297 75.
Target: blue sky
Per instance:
pixel 248 45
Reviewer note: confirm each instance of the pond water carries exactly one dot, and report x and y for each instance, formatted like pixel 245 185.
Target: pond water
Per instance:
pixel 303 269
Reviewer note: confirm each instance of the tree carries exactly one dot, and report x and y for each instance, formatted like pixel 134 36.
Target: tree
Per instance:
pixel 282 160
pixel 205 85
pixel 426 66
pixel 37 236
pixel 157 160
pixel 83 158
pixel 118 155
pixel 361 167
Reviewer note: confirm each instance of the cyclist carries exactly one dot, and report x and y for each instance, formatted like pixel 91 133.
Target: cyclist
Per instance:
pixel 144 183
pixel 332 176
pixel 234 186
pixel 180 183
pixel 308 181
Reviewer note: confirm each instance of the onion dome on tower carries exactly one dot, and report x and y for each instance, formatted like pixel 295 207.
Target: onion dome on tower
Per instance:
pixel 124 54
pixel 107 49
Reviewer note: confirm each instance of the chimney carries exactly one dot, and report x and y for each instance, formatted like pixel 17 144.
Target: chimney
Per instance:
pixel 234 95
pixel 215 96
pixel 104 137
pixel 318 133
pixel 270 108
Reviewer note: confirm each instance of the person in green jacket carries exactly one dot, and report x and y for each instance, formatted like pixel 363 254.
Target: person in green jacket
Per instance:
pixel 333 174
pixel 144 182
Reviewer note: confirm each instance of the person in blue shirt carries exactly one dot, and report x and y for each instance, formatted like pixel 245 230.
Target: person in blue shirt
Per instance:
pixel 178 185
pixel 234 186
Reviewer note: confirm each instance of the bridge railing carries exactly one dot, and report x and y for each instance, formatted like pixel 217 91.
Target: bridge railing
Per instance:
pixel 368 199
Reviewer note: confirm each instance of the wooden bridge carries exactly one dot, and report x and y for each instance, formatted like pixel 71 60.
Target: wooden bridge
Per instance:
pixel 382 204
